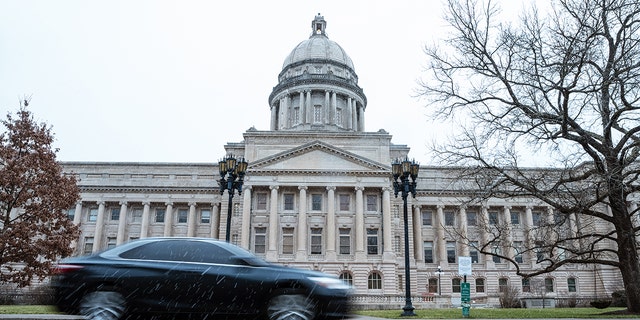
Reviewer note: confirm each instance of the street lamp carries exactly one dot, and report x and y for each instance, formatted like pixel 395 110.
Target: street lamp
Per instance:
pixel 232 173
pixel 439 273
pixel 403 171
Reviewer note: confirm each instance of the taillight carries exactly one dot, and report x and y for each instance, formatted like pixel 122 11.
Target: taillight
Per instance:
pixel 62 269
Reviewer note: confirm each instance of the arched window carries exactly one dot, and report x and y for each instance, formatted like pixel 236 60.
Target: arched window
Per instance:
pixel 346 277
pixel 455 285
pixel 374 281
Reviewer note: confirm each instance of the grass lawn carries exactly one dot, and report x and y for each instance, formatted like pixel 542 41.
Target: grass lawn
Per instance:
pixel 488 313
pixel 27 309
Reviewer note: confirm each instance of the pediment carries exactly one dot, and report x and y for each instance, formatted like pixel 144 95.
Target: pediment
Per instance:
pixel 317 157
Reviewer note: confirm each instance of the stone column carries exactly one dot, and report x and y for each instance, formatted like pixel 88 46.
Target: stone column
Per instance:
pixel 441 241
pixel 349 114
pixel 274 118
pixel 359 232
pixel 97 237
pixel 463 229
pixel 354 114
pixel 418 251
pixel 215 220
pixel 272 253
pixel 331 223
pixel 168 219
pixel 508 246
pixel 386 225
pixel 302 111
pixel 309 107
pixel 361 122
pixel 326 107
pixel 77 217
pixel 285 112
pixel 144 225
pixel 246 217
pixel 333 108
pixel 191 226
pixel 302 225
pixel 122 223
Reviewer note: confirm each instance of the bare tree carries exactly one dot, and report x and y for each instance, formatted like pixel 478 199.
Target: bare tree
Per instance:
pixel 565 85
pixel 34 196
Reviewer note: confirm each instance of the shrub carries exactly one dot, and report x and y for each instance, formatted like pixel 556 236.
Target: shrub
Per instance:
pixel 619 299
pixel 600 304
pixel 509 297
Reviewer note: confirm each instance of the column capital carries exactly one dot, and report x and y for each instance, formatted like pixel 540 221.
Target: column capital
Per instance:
pixel 168 203
pixel 215 204
pixel 440 206
pixel 359 188
pixel 192 204
pixel 101 202
pixel 123 203
pixel 331 188
pixel 146 203
pixel 247 187
pixel 507 207
pixel 274 187
pixel 302 188
pixel 387 188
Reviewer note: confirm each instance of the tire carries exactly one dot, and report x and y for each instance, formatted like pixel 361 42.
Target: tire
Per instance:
pixel 291 307
pixel 103 305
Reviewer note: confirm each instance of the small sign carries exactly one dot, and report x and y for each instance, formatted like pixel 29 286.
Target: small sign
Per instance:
pixel 465 292
pixel 464 266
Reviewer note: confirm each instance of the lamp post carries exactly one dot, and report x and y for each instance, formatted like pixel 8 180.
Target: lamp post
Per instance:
pixel 405 175
pixel 232 173
pixel 439 272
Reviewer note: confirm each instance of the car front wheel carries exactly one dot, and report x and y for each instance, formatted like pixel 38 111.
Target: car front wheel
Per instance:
pixel 291 307
pixel 102 305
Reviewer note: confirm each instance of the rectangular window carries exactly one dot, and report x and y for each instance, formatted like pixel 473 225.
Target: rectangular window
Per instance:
pixel 472 218
pixel 372 241
pixel 344 202
pixel 345 241
pixel 548 284
pixel 540 254
pixel 71 213
pixel 571 284
pixel 288 201
pixel 537 218
pixel 183 215
pixel 433 285
pixel 159 215
pixel 494 218
pixel 261 201
pixel 449 218
pixel 473 252
pixel 205 216
pixel 428 251
pixel 111 242
pixel 88 245
pixel 451 252
pixel 517 245
pixel 316 202
pixel 317 114
pixel 427 218
pixel 136 215
pixel 287 240
pixel 93 215
pixel 455 285
pixel 479 285
pixel 115 214
pixel 260 240
pixel 372 203
pixel 526 285
pixel 502 284
pixel 316 240
pixel 498 251
pixel 296 115
pixel 339 117
pixel 515 218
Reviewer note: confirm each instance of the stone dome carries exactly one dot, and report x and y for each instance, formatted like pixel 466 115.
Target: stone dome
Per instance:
pixel 318 47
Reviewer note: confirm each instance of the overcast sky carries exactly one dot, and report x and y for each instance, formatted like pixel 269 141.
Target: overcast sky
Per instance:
pixel 174 81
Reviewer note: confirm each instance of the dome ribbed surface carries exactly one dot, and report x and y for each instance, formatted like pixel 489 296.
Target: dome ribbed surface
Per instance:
pixel 318 47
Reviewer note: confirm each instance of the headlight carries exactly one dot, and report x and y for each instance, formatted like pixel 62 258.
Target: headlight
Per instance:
pixel 330 283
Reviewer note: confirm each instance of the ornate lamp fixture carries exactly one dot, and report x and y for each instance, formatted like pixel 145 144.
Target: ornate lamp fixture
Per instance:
pixel 405 179
pixel 232 173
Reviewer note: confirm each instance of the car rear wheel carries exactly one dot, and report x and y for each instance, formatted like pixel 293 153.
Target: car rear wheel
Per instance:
pixel 102 305
pixel 291 307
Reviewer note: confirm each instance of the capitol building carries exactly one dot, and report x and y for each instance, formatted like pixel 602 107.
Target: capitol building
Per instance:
pixel 318 194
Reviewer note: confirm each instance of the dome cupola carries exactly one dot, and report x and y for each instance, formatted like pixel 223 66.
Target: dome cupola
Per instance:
pixel 317 87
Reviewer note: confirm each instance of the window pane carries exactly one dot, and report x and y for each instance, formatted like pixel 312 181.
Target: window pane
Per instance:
pixel 449 218
pixel 493 217
pixel 183 215
pixel 451 252
pixel 115 214
pixel 260 240
pixel 427 218
pixel 479 285
pixel 502 284
pixel 455 285
pixel 205 216
pixel 160 215
pixel 136 215
pixel 345 241
pixel 261 201
pixel 287 240
pixel 372 241
pixel 343 199
pixel 571 284
pixel 515 218
pixel 375 281
pixel 316 202
pixel 93 215
pixel 288 201
pixel 372 202
pixel 472 219
pixel 428 251
pixel 548 284
pixel 433 285
pixel 316 240
pixel 346 278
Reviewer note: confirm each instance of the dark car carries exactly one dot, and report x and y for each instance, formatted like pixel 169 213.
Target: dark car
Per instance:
pixel 193 276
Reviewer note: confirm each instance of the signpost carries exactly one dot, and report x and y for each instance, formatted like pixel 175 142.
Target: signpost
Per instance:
pixel 464 269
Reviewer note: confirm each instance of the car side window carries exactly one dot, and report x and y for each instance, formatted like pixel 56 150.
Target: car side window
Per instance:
pixel 188 251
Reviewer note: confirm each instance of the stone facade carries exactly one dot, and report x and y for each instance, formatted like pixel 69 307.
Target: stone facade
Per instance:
pixel 318 195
